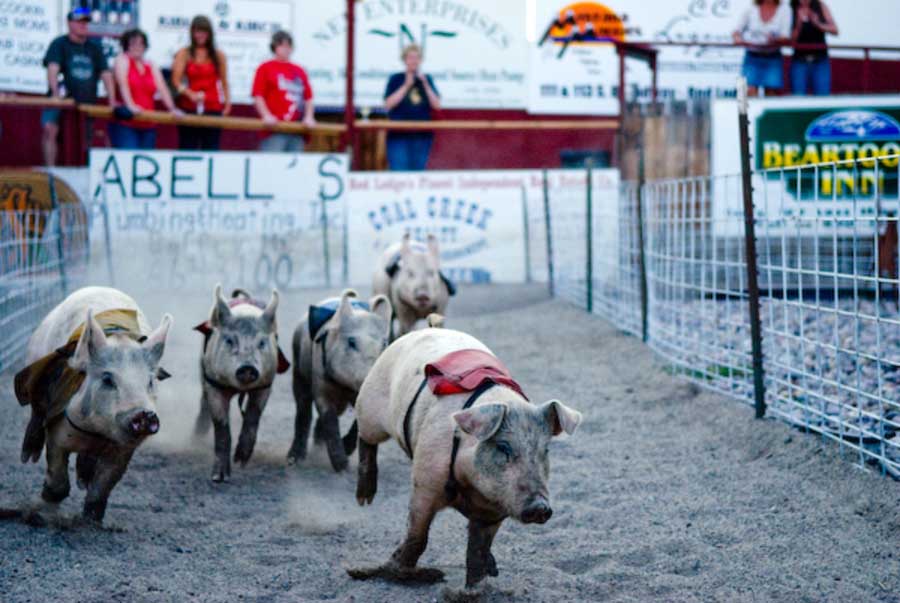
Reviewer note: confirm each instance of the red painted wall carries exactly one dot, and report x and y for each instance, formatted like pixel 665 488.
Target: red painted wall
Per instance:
pixel 20 143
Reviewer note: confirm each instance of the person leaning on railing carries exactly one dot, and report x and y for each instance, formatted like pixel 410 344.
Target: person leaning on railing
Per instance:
pixel 281 92
pixel 206 92
pixel 138 80
pixel 762 28
pixel 410 95
pixel 81 63
pixel 811 68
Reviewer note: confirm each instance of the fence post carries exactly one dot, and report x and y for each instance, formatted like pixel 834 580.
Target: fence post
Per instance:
pixel 549 236
pixel 642 258
pixel 526 232
pixel 326 254
pixel 590 239
pixel 60 245
pixel 345 261
pixel 759 391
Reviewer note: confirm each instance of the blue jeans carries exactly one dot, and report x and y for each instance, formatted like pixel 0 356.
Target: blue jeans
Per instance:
pixel 763 70
pixel 126 137
pixel 815 74
pixel 408 153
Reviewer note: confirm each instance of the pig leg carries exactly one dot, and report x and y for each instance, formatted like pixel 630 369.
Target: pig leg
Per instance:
pixel 217 403
pixel 304 400
pixel 108 472
pixel 480 561
pixel 367 481
pixel 247 440
pixel 85 467
pixel 56 483
pixel 204 420
pixel 402 565
pixel 331 435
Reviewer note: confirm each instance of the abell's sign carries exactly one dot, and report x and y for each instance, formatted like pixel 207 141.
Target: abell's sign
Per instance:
pixel 823 166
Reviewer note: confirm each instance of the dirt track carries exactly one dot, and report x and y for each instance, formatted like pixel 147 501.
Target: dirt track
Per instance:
pixel 664 494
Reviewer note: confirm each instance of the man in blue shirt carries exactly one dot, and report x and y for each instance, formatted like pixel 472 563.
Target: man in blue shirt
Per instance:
pixel 412 96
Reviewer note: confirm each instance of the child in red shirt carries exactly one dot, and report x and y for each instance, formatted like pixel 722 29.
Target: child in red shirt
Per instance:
pixel 281 92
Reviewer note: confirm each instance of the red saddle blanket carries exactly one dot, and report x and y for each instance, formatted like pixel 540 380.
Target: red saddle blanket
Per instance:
pixel 464 370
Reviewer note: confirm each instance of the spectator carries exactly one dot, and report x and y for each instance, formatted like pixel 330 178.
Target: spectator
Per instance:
pixel 206 92
pixel 281 92
pixel 138 80
pixel 410 95
pixel 811 68
pixel 81 63
pixel 763 27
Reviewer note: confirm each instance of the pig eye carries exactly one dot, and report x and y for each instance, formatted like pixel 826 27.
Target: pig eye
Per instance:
pixel 505 449
pixel 263 344
pixel 108 381
pixel 351 343
pixel 229 341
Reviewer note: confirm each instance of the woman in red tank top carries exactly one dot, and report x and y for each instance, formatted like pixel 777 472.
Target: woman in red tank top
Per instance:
pixel 206 91
pixel 138 81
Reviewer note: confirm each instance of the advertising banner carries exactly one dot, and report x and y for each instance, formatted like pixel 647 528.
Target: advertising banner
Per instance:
pixel 822 162
pixel 232 217
pixel 26 29
pixel 477 218
pixel 474 51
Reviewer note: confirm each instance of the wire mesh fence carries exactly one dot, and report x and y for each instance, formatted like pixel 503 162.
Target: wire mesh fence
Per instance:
pixel 827 261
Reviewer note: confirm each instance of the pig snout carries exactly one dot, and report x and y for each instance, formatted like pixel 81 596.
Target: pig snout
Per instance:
pixel 246 374
pixel 537 510
pixel 423 299
pixel 143 423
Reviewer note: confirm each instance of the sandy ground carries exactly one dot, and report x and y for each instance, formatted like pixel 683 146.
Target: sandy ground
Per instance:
pixel 665 493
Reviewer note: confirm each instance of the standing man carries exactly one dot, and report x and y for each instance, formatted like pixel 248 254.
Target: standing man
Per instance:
pixel 410 95
pixel 82 65
pixel 281 92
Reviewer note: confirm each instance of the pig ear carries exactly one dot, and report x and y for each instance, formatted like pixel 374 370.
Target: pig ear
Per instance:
pixel 381 306
pixel 155 344
pixel 345 310
pixel 92 340
pixel 433 248
pixel 481 421
pixel 220 312
pixel 560 417
pixel 268 315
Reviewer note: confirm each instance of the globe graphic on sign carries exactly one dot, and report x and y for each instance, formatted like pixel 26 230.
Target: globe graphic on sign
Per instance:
pixel 853 125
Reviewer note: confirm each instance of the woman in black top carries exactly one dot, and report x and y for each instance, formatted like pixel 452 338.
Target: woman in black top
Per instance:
pixel 811 68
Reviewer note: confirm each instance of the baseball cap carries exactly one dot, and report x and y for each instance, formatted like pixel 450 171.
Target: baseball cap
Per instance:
pixel 80 14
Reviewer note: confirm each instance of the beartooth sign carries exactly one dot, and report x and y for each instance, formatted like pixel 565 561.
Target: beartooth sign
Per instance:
pixel 251 218
pixel 476 217
pixel 474 51
pixel 823 164
pixel 243 31
pixel 26 30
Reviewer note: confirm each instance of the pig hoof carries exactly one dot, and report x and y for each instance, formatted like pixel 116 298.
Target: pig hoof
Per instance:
pixel 220 475
pixel 242 456
pixel 396 573
pixel 339 464
pixel 491 566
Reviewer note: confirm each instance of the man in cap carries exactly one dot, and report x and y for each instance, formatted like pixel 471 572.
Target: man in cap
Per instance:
pixel 81 63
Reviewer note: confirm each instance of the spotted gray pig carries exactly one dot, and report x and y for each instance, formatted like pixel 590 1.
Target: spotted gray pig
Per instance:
pixel 408 274
pixel 335 346
pixel 501 469
pixel 240 357
pixel 91 380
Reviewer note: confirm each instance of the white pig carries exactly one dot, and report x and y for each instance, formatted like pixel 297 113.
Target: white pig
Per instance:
pixel 94 395
pixel 501 469
pixel 409 275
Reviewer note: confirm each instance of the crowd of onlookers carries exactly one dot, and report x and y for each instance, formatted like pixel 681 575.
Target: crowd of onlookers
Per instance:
pixel 281 91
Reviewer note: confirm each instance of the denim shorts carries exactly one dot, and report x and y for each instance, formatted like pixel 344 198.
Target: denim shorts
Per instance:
pixel 764 70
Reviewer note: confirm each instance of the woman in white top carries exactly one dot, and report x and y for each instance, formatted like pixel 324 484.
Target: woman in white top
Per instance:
pixel 762 28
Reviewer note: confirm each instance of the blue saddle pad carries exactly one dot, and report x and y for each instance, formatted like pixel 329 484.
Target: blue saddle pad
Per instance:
pixel 322 313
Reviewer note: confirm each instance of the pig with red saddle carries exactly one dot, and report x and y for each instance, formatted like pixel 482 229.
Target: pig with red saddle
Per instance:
pixel 475 441
pixel 91 381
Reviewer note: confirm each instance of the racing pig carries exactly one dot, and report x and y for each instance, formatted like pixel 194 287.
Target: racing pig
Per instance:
pixel 240 358
pixel 475 442
pixel 408 274
pixel 334 347
pixel 91 380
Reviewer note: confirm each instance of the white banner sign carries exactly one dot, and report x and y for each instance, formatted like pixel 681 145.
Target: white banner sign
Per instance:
pixel 476 216
pixel 243 30
pixel 475 51
pixel 26 29
pixel 821 164
pixel 572 70
pixel 250 218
